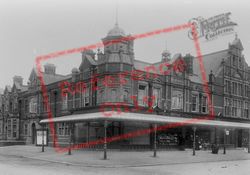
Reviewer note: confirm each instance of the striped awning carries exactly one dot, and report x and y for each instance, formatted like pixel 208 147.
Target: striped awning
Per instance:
pixel 148 118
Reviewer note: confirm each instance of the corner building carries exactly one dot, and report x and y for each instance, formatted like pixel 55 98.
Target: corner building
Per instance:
pixel 113 80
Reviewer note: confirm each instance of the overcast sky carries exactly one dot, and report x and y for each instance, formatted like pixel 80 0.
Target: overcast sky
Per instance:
pixel 29 28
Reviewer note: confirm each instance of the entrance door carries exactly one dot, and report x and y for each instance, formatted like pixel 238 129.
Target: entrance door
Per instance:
pixel 33 136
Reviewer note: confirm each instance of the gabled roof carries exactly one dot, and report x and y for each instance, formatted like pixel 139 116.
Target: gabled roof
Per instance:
pixel 48 78
pixel 8 88
pixel 212 62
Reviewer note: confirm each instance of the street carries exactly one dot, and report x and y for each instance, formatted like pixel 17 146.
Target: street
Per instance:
pixel 12 165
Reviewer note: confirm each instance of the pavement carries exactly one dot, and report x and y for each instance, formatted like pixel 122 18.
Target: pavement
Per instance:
pixel 116 159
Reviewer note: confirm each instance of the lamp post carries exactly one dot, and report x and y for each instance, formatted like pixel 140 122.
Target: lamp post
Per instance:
pixel 105 140
pixel 194 141
pixel 155 141
pixel 224 146
pixel 157 110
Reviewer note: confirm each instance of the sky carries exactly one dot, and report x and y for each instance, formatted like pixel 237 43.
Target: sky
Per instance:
pixel 29 28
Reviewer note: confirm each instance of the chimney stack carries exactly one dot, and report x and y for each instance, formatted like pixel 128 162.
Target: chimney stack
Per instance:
pixel 50 69
pixel 18 79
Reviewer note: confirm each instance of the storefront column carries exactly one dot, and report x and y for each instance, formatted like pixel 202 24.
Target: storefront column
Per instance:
pixel 105 140
pixel 248 140
pixel 155 139
pixel 194 141
pixel 87 132
pixel 71 135
pixel 42 138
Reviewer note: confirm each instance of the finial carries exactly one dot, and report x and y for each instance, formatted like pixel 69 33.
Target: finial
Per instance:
pixel 116 15
pixel 236 36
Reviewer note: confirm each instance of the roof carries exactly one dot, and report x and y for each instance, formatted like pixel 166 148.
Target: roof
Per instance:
pixel 211 62
pixel 49 78
pixel 140 65
pixel 148 118
pixel 21 87
pixel 116 31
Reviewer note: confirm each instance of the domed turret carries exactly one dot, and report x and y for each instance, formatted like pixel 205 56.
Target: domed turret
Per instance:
pixel 166 55
pixel 116 31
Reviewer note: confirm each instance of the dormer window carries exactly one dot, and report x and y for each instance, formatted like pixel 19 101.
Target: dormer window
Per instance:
pixel 234 61
pixel 240 63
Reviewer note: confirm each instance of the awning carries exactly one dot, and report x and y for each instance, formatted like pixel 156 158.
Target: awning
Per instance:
pixel 148 118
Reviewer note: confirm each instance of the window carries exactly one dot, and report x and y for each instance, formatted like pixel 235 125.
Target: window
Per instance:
pixel 85 97
pixel 227 86
pixel 14 128
pixel 234 108
pixel 113 95
pixel 1 127
pixel 246 91
pixel 33 105
pixel 141 95
pixel 239 108
pixel 9 128
pixel 26 129
pixel 227 106
pixel 194 103
pixel 26 106
pixel 177 99
pixel 156 95
pixel 101 96
pixel 240 89
pixel 234 88
pixel 204 104
pixel 65 101
pixel 46 104
pixel 246 110
pixel 125 95
pixel 73 101
pixel 113 67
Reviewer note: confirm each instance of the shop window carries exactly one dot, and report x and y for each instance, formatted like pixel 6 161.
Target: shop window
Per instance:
pixel 63 129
